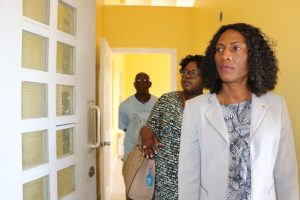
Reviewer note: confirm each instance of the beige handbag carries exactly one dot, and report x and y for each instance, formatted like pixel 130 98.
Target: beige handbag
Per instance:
pixel 139 175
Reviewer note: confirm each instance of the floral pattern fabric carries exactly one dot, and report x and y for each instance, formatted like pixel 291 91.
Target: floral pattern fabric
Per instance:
pixel 237 119
pixel 165 121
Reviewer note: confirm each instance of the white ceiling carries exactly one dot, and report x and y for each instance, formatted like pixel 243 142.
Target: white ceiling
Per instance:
pixel 178 3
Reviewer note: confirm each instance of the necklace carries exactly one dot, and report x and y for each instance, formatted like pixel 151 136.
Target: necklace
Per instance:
pixel 222 100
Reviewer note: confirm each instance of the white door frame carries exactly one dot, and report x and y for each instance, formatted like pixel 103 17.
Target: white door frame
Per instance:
pixel 105 104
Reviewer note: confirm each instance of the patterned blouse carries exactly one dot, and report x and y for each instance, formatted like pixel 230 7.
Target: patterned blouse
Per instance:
pixel 165 121
pixel 237 119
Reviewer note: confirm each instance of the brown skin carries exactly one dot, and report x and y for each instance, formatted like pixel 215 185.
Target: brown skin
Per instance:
pixel 142 84
pixel 231 62
pixel 191 87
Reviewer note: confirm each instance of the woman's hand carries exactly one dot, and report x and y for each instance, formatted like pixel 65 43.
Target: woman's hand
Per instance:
pixel 150 143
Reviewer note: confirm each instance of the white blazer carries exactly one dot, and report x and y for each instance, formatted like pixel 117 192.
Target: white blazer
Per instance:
pixel 204 151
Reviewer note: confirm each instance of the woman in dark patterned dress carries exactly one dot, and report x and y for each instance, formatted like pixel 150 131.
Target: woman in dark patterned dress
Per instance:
pixel 161 135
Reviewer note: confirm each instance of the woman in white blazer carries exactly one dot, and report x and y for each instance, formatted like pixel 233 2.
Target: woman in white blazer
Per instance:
pixel 237 142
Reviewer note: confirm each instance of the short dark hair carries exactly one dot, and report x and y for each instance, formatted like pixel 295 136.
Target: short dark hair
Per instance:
pixel 262 62
pixel 192 58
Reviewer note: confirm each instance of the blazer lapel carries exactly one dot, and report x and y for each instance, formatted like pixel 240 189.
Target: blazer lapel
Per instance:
pixel 258 112
pixel 215 118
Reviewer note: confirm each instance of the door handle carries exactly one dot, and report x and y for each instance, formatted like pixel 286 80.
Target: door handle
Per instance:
pixel 98 142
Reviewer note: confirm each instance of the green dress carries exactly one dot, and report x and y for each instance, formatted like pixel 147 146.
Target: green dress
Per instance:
pixel 165 121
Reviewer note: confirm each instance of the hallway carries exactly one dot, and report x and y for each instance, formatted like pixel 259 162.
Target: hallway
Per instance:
pixel 118 191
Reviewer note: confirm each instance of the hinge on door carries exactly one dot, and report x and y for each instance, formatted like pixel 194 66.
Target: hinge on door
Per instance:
pixel 91 171
pixel 105 143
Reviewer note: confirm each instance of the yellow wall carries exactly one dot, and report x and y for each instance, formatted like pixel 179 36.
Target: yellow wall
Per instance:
pixel 150 27
pixel 280 21
pixel 157 66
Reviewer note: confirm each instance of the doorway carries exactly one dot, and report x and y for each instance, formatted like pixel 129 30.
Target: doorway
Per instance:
pixel 161 66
